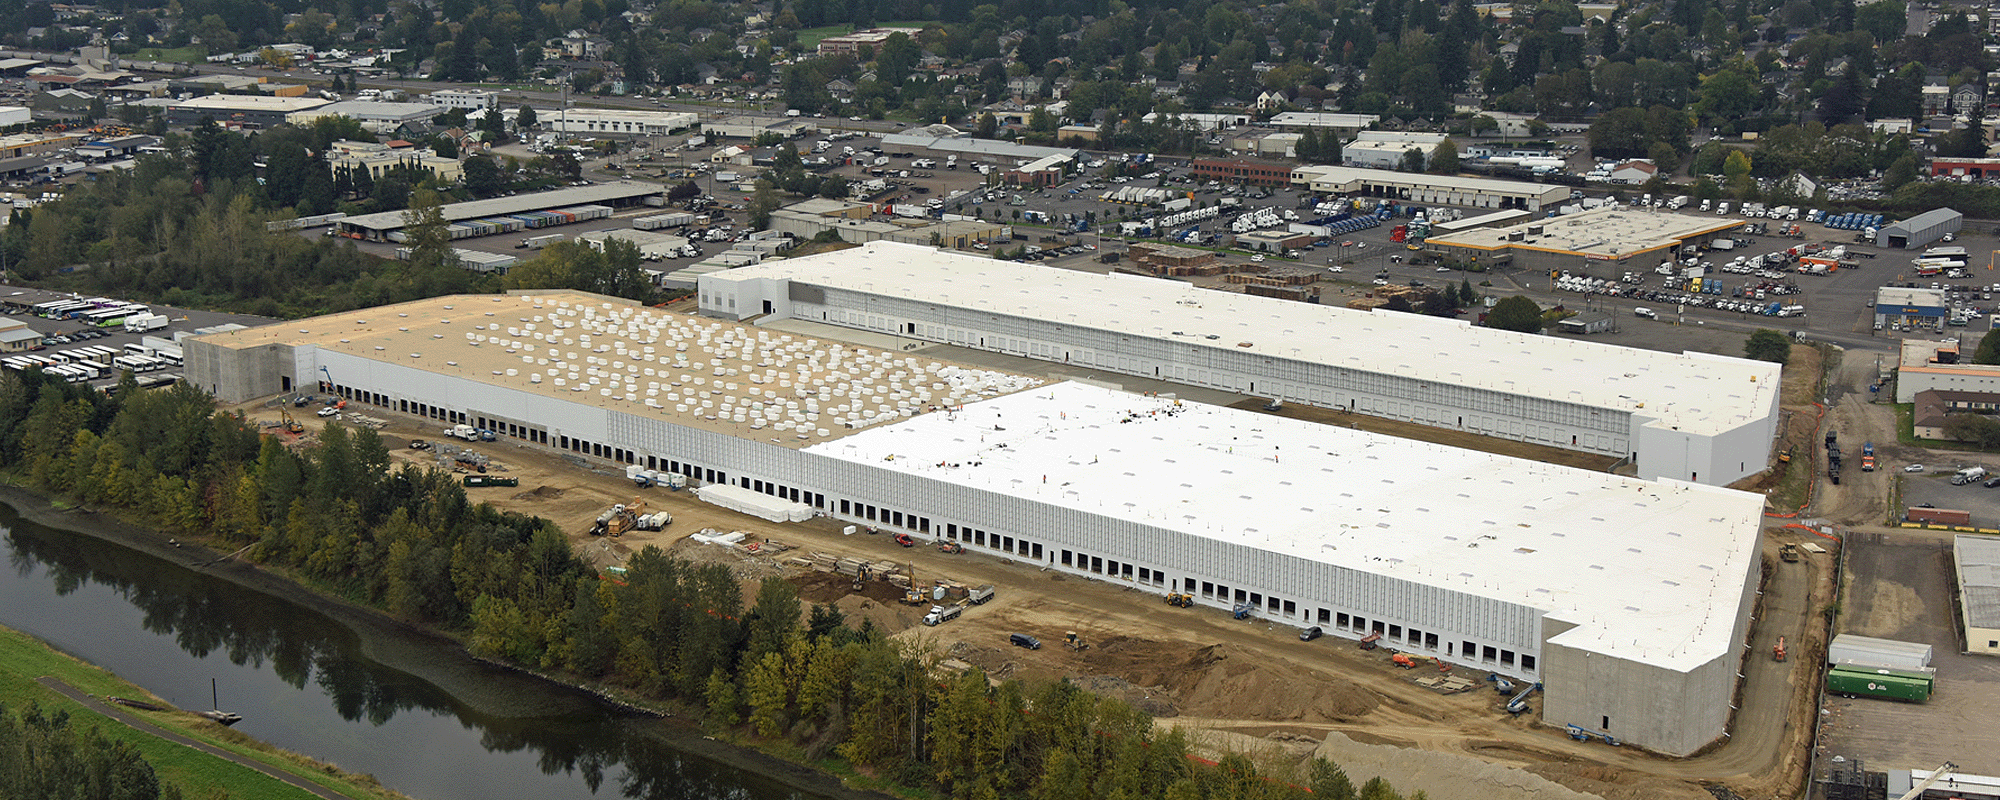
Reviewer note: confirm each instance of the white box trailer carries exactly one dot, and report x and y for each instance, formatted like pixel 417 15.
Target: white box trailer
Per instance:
pixel 140 323
pixel 544 240
pixel 1867 651
pixel 658 221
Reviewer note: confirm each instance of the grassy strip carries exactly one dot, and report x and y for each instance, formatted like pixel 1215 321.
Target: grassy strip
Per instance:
pixel 182 55
pixel 810 37
pixel 24 658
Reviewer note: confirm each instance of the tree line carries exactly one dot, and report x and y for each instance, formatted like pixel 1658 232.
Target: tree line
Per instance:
pixel 409 541
pixel 44 755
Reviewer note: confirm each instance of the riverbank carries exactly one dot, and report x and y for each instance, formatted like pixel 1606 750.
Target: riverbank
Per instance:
pixel 24 659
pixel 481 688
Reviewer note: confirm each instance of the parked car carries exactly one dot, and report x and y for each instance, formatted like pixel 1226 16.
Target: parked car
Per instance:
pixel 1310 634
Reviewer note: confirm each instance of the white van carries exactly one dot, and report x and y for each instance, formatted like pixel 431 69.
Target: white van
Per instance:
pixel 1645 312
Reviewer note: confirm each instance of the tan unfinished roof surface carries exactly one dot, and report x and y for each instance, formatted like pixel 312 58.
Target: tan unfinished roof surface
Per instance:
pixel 701 373
pixel 1608 232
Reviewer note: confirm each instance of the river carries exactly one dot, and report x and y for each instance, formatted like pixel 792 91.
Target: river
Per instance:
pixel 411 710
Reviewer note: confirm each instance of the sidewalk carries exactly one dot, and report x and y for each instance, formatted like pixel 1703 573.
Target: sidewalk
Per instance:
pixel 147 727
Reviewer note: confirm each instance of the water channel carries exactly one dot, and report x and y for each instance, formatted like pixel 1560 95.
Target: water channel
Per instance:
pixel 411 710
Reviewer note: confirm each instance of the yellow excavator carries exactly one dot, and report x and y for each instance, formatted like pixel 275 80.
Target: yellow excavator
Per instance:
pixel 291 426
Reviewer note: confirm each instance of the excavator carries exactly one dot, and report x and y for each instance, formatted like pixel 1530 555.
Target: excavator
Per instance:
pixel 291 426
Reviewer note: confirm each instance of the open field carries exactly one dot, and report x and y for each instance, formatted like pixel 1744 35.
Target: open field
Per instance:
pixel 24 658
pixel 180 55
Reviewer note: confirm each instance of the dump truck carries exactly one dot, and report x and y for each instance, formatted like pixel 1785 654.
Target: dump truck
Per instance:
pixel 980 595
pixel 943 614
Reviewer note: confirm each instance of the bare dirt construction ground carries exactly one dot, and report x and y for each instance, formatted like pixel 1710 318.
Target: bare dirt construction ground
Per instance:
pixel 1246 686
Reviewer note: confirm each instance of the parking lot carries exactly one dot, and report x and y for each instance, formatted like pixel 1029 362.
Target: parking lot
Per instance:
pixel 1934 486
pixel 80 336
pixel 1899 586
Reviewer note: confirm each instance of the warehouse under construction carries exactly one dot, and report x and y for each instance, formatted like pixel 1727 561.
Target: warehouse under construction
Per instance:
pixel 1627 600
pixel 1690 416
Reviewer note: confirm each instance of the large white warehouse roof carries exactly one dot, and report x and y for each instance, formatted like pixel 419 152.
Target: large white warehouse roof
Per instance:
pixel 1650 571
pixel 1692 392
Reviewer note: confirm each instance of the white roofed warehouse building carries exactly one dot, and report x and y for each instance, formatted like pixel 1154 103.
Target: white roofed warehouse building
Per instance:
pixel 1410 187
pixel 1480 560
pixel 1695 417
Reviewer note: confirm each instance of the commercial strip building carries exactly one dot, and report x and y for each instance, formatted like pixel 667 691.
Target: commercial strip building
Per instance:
pixel 1926 365
pixel 1693 416
pixel 811 218
pixel 1911 307
pixel 1505 570
pixel 379 226
pixel 1977 559
pixel 1612 236
pixel 1410 187
pixel 1254 173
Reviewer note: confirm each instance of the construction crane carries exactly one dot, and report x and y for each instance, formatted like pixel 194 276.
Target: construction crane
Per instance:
pixel 1918 790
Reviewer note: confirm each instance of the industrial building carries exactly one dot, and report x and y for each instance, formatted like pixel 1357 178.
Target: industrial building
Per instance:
pixel 1921 229
pixel 1911 307
pixel 245 109
pixel 1927 365
pixel 1477 559
pixel 1341 124
pixel 1612 236
pixel 1385 149
pixel 1695 417
pixel 388 225
pixel 1410 187
pixel 1977 560
pixel 603 121
pixel 467 99
pixel 375 115
pixel 946 140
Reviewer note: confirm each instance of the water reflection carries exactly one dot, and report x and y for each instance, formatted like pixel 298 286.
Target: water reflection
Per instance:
pixel 67 588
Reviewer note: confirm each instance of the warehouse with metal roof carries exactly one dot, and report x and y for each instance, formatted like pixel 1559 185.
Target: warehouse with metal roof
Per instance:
pixel 1977 559
pixel 388 225
pixel 1481 560
pixel 1690 416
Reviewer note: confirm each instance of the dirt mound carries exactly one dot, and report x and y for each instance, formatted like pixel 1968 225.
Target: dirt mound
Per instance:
pixel 1215 681
pixel 1150 700
pixel 538 493
pixel 831 587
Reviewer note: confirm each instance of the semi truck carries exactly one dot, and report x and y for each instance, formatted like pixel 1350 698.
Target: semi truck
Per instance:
pixel 140 323
pixel 1889 684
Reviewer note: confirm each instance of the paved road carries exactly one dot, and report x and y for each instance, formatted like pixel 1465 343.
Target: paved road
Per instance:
pixel 147 727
